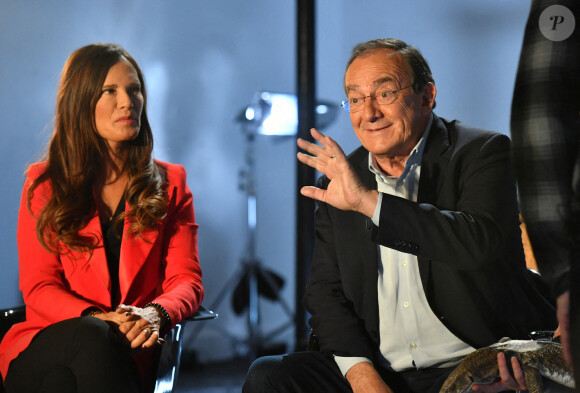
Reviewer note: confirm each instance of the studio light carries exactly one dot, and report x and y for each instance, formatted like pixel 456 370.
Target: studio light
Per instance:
pixel 277 114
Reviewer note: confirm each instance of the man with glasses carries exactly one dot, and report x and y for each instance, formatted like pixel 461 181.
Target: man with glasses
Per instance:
pixel 418 257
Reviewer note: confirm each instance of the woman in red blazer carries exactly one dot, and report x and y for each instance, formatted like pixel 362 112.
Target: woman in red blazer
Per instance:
pixel 107 239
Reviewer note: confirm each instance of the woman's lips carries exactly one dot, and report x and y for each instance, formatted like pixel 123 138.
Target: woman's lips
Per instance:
pixel 126 120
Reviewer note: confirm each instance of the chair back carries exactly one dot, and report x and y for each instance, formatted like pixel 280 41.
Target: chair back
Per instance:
pixel 170 352
pixel 9 317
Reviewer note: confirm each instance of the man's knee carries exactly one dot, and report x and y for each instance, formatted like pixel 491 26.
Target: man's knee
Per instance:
pixel 261 374
pixel 296 372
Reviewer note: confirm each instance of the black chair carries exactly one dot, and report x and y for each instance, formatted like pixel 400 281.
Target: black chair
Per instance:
pixel 9 317
pixel 169 355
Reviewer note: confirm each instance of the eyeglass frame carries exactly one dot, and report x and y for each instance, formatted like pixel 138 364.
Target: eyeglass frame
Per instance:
pixel 346 103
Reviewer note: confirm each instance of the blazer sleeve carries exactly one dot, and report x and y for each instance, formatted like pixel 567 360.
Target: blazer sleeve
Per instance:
pixel 182 289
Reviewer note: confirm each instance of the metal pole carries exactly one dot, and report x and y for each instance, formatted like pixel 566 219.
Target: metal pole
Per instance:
pixel 306 94
pixel 252 264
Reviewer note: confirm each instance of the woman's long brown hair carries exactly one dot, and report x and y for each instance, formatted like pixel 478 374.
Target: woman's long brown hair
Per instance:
pixel 76 155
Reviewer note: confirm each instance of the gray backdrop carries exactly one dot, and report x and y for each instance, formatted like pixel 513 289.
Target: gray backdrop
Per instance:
pixel 203 61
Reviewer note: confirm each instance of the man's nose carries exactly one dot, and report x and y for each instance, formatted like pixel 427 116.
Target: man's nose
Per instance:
pixel 371 108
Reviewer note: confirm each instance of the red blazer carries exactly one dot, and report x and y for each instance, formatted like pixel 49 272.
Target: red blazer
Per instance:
pixel 160 266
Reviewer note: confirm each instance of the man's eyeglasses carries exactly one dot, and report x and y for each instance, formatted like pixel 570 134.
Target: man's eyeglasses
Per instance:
pixel 383 98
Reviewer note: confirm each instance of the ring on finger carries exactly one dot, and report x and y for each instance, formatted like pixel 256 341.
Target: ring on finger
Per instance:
pixel 147 331
pixel 332 156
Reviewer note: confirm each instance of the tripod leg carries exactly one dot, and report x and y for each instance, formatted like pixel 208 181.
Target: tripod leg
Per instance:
pixel 220 297
pixel 254 333
pixel 273 286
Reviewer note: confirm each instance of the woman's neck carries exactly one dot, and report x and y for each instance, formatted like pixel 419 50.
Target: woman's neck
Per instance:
pixel 111 184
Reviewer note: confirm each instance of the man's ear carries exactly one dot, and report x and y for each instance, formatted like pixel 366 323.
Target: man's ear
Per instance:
pixel 428 99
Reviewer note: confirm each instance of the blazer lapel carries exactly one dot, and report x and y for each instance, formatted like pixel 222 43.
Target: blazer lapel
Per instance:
pixel 368 248
pixel 435 160
pixel 136 249
pixel 97 258
pixel 434 163
pixel 134 252
pixel 360 163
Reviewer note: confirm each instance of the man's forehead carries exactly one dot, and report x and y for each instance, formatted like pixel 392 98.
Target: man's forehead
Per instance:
pixel 378 55
pixel 379 61
pixel 375 83
pixel 375 67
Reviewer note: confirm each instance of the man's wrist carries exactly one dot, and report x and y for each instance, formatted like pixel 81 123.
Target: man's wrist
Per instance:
pixel 345 363
pixel 369 203
pixel 362 370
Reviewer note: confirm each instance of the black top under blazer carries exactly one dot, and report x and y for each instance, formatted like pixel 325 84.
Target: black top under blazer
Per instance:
pixel 464 229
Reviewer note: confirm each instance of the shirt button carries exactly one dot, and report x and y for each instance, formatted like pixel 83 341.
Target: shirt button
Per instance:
pixel 413 346
pixel 406 304
pixel 405 263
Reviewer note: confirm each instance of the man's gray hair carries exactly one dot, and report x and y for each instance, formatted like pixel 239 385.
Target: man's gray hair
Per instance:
pixel 419 66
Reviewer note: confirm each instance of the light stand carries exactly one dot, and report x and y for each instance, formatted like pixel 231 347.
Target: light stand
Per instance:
pixel 252 279
pixel 269 114
pixel 258 280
